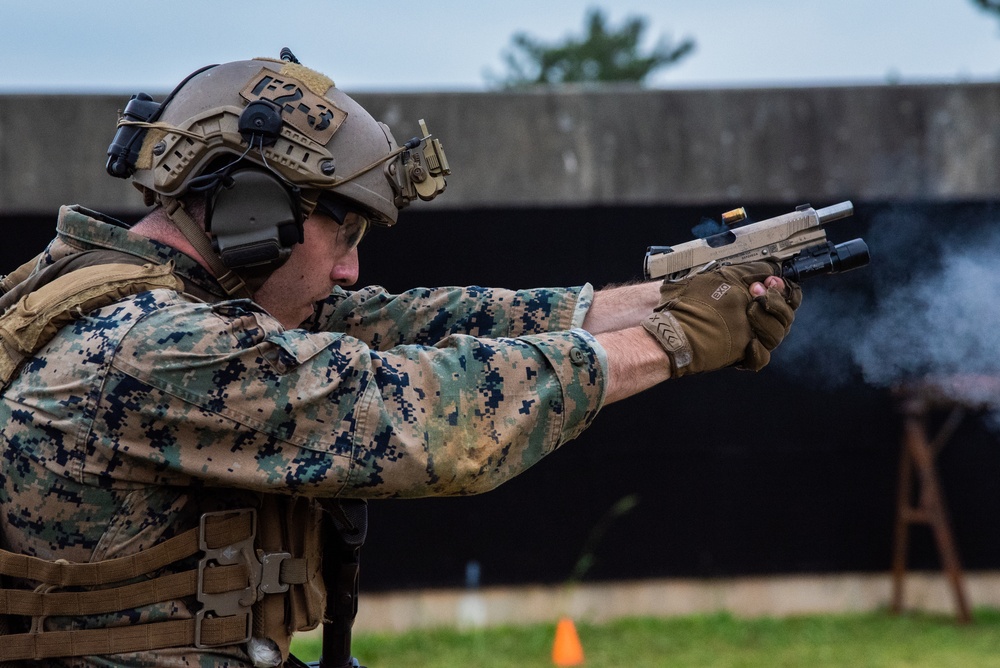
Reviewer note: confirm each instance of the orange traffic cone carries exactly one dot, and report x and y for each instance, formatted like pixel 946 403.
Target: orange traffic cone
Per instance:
pixel 567 650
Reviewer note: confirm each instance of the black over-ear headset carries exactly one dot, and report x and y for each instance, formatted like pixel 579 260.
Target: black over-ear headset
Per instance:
pixel 255 216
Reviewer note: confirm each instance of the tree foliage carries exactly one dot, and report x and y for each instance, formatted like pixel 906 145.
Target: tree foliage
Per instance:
pixel 989 5
pixel 603 54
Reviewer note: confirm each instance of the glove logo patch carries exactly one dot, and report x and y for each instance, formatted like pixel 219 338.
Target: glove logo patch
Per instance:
pixel 721 291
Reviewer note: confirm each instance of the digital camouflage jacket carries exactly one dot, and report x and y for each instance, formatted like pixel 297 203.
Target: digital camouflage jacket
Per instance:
pixel 143 414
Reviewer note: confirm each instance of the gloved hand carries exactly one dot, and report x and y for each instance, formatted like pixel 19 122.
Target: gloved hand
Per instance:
pixel 710 320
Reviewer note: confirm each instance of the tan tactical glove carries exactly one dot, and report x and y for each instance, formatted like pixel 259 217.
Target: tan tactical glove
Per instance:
pixel 709 321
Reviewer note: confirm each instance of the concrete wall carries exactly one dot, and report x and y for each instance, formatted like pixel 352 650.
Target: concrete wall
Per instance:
pixel 598 603
pixel 587 147
pixel 719 497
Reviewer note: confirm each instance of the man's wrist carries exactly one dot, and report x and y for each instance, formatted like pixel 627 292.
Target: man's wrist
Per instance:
pixel 664 327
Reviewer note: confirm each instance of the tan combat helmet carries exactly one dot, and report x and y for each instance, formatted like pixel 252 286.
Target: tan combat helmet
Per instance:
pixel 303 140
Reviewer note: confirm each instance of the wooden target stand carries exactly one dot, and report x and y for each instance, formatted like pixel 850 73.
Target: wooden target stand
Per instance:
pixel 920 497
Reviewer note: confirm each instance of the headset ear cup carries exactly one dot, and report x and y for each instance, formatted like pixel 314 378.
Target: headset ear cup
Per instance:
pixel 250 216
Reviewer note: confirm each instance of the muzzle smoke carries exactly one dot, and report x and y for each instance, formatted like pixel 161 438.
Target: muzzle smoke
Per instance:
pixel 928 306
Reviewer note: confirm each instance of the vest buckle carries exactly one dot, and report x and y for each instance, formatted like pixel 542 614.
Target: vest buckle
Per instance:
pixel 270 572
pixel 226 550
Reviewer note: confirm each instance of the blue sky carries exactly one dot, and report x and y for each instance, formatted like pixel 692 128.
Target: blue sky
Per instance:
pixel 104 46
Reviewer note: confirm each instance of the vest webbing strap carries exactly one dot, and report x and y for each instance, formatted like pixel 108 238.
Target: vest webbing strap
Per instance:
pixel 230 281
pixel 121 639
pixel 164 588
pixel 220 530
pixel 218 533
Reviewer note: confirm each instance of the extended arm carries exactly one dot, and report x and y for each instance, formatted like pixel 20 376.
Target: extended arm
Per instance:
pixel 621 307
pixel 322 414
pixel 636 362
pixel 739 323
pixel 425 316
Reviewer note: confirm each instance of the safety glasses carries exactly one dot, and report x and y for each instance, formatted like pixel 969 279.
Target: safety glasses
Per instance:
pixel 354 224
pixel 354 228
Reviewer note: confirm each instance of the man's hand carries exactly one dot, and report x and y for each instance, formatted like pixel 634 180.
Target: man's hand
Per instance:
pixel 732 315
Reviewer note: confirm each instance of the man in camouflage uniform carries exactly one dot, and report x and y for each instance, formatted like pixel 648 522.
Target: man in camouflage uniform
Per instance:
pixel 177 404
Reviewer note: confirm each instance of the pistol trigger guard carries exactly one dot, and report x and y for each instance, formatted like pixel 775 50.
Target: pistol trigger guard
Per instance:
pixel 709 266
pixel 681 275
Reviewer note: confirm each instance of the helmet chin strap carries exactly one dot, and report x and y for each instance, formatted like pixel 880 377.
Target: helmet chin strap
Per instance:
pixel 231 282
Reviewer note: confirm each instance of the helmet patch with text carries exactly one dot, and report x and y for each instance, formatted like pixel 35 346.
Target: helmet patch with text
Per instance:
pixel 310 114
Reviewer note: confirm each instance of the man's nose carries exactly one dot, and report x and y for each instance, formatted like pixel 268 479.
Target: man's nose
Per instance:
pixel 345 270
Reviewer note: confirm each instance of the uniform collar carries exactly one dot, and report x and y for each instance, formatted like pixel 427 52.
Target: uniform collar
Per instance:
pixel 81 229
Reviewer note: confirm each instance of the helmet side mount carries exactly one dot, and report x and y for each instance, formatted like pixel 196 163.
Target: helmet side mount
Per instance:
pixel 260 123
pixel 141 110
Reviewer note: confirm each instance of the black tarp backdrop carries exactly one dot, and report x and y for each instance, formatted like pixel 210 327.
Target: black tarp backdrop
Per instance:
pixel 735 473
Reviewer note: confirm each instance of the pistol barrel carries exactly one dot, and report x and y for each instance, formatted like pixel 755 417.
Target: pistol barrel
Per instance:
pixel 835 212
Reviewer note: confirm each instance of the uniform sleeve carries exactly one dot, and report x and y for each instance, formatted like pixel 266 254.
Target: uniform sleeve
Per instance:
pixel 244 403
pixel 425 316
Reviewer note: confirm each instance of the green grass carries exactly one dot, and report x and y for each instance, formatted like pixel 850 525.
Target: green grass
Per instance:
pixel 875 640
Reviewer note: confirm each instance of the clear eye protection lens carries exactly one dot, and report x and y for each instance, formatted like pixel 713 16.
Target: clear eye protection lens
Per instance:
pixel 354 228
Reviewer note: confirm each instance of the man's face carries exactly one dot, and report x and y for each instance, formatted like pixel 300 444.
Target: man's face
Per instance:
pixel 327 258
